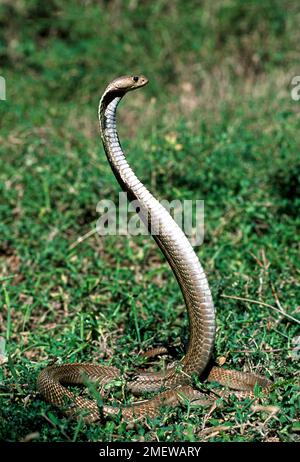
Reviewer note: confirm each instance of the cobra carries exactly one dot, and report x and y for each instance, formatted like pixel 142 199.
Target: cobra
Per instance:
pixel 174 384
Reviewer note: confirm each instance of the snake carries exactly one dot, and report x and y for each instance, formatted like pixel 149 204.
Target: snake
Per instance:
pixel 174 385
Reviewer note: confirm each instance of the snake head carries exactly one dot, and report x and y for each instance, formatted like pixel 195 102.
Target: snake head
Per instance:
pixel 128 83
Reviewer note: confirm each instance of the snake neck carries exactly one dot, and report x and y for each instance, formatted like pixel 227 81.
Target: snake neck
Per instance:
pixel 174 245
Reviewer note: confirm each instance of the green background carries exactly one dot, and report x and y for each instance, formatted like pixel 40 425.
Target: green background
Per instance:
pixel 216 122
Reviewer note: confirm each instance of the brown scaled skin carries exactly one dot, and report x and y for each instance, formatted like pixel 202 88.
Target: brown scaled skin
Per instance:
pixel 194 286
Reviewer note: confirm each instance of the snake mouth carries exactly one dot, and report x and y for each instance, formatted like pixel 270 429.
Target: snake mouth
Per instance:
pixel 139 81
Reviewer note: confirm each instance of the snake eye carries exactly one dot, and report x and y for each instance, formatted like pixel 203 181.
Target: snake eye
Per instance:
pixel 135 78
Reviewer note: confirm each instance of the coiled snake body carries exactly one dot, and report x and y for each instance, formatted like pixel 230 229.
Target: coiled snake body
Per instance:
pixel 191 278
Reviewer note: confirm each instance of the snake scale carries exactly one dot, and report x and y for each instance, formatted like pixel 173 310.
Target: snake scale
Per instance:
pixel 174 383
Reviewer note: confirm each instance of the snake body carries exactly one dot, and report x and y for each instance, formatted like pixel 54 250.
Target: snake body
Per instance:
pixel 175 380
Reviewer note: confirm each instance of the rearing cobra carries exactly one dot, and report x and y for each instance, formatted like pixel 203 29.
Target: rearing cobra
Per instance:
pixel 176 380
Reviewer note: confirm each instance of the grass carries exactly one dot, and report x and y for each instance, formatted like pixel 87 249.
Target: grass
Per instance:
pixel 217 122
